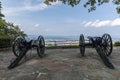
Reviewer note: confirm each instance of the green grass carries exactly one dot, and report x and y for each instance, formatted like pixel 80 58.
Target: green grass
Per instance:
pixel 53 45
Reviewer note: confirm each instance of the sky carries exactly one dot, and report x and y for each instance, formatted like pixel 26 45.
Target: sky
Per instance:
pixel 36 18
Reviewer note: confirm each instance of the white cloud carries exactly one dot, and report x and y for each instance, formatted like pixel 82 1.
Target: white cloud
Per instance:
pixel 36 28
pixel 87 24
pixel 37 25
pixel 116 22
pixel 12 11
pixel 27 6
pixel 38 7
pixel 103 23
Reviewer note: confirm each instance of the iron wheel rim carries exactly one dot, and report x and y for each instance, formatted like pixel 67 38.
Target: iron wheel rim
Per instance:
pixel 18 46
pixel 41 46
pixel 82 44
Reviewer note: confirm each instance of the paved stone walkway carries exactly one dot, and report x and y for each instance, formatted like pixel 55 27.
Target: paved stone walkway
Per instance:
pixel 60 64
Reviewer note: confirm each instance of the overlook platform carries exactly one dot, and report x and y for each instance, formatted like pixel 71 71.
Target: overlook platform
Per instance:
pixel 60 64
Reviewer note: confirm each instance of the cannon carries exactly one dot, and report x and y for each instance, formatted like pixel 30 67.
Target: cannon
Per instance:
pixel 21 45
pixel 103 46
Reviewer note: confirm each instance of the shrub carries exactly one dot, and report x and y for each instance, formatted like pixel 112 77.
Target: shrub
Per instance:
pixel 5 41
pixel 50 45
pixel 117 43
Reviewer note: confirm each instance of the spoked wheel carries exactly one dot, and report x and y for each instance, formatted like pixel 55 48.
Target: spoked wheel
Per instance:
pixel 41 46
pixel 18 46
pixel 107 44
pixel 82 44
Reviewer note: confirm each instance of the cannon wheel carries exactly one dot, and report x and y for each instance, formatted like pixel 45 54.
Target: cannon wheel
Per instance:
pixel 18 46
pixel 82 44
pixel 41 46
pixel 107 44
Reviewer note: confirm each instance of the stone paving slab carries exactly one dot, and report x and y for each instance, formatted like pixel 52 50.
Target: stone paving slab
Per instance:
pixel 60 64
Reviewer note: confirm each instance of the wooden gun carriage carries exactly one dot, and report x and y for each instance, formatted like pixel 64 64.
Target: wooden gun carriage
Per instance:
pixel 21 46
pixel 103 46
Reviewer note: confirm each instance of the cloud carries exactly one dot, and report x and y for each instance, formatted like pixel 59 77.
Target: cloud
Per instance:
pixel 28 6
pixel 37 7
pixel 116 22
pixel 37 25
pixel 103 23
pixel 37 28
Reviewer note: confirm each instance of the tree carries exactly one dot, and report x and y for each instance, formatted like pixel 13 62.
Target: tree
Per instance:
pixel 8 28
pixel 1 15
pixel 14 30
pixel 2 22
pixel 91 3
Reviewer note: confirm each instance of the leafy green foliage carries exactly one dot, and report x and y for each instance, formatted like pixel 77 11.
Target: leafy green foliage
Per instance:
pixel 7 28
pixel 117 43
pixel 50 45
pixel 117 2
pixel 5 41
pixel 91 3
pixel 8 31
pixel 1 15
pixel 14 30
pixel 69 2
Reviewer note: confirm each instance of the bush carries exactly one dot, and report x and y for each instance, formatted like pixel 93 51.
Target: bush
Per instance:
pixel 50 45
pixel 5 41
pixel 117 43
